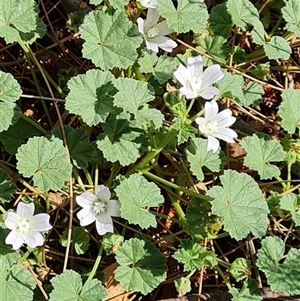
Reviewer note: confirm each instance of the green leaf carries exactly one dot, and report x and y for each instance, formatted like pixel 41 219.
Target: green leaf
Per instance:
pixel 80 148
pixel 162 68
pixel 199 157
pixel 241 203
pixel 121 140
pixel 17 134
pixel 240 269
pixel 118 3
pixel 289 202
pixel 16 282
pixel 199 219
pixel 142 266
pixel 291 16
pixel 79 238
pixel 249 292
pixel 110 40
pixel 183 285
pixel 242 12
pixel 281 276
pixel 38 33
pixel 111 242
pixel 7 187
pixel 185 131
pixel 258 33
pixel 277 48
pixel 252 94
pixel 193 255
pixel 215 46
pixel 15 17
pixel 220 21
pixel 68 287
pixel 93 91
pixel 289 110
pixel 262 71
pixel 185 17
pixel 261 150
pixel 136 195
pixel 45 160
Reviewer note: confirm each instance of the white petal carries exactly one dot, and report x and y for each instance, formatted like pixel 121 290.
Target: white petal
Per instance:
pixel 211 75
pixel 200 121
pixel 103 193
pixel 86 199
pixel 152 18
pixel 195 66
pixel 104 218
pixel 104 228
pixel 14 238
pixel 12 221
pixel 225 118
pixel 212 144
pixel 140 23
pixel 209 93
pixel 33 239
pixel 187 93
pixel 40 222
pixel 151 4
pixel 163 28
pixel 227 135
pixel 182 75
pixel 113 208
pixel 168 45
pixel 211 110
pixel 152 46
pixel 86 217
pixel 25 211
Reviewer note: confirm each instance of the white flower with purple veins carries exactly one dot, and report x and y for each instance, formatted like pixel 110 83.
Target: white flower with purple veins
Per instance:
pixel 26 227
pixel 98 208
pixel 155 33
pixel 149 3
pixel 197 83
pixel 215 125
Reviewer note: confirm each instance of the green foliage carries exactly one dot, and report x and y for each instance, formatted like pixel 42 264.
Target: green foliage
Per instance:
pixel 241 204
pixel 118 3
pixel 121 140
pixel 193 255
pixel 93 91
pixel 277 48
pixel 231 86
pixel 45 160
pixel 240 269
pixel 137 195
pixel 80 148
pixel 261 150
pixel 282 277
pixel 7 187
pixel 291 16
pixel 289 202
pixel 199 157
pixel 185 131
pixel 68 286
pixel 111 242
pixel 183 285
pixel 252 94
pixel 289 110
pixel 101 31
pixel 220 21
pixel 142 266
pixel 79 239
pixel 186 16
pixel 248 292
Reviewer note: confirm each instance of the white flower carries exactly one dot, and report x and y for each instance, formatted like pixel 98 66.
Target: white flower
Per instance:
pixel 154 33
pixel 195 82
pixel 215 125
pixel 98 208
pixel 149 3
pixel 26 227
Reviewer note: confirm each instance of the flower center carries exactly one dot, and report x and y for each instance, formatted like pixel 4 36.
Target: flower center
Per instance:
pixel 99 207
pixel 24 226
pixel 153 32
pixel 196 83
pixel 210 127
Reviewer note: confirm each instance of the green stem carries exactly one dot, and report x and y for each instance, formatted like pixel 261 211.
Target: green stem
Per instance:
pixel 289 171
pixel 113 172
pixel 88 176
pixel 189 107
pixel 33 123
pixel 223 276
pixel 78 178
pixel 177 207
pixel 167 217
pixel 47 201
pixel 96 178
pixel 96 264
pixel 3 210
pixel 275 26
pixel 176 187
pixel 138 74
pixel 224 263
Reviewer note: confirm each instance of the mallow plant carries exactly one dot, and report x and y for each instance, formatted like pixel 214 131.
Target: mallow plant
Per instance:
pixel 174 134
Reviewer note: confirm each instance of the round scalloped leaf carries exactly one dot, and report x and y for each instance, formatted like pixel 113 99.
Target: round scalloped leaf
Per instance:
pixel 142 266
pixel 91 96
pixel 136 195
pixel 110 40
pixel 7 187
pixel 45 160
pixel 241 204
pixel 17 16
pixel 290 13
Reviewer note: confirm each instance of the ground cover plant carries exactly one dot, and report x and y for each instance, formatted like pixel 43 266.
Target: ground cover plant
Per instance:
pixel 149 148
